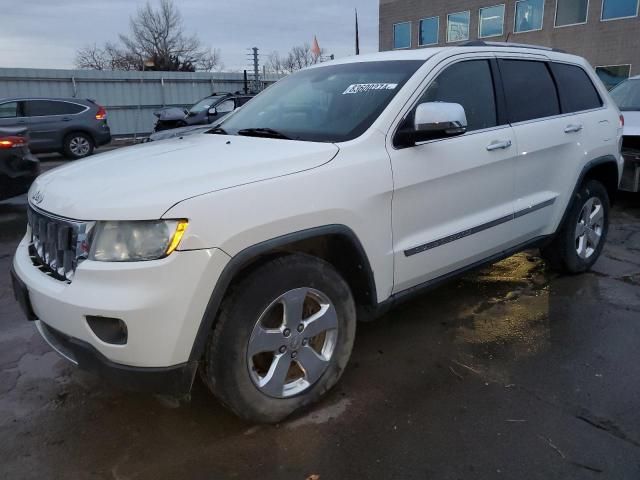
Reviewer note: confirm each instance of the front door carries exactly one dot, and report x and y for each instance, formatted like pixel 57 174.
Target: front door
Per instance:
pixel 453 198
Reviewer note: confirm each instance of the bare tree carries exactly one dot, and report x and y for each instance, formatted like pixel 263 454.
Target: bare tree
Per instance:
pixel 91 57
pixel 157 37
pixel 109 57
pixel 298 57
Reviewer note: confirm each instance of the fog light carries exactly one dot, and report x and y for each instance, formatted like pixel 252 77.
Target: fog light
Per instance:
pixel 109 330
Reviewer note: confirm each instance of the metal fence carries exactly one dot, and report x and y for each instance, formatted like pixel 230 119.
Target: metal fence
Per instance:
pixel 130 97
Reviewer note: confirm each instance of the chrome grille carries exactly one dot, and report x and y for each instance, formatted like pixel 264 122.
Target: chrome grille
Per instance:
pixel 58 245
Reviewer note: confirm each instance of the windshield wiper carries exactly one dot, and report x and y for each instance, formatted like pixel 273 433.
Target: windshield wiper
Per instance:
pixel 217 131
pixel 262 132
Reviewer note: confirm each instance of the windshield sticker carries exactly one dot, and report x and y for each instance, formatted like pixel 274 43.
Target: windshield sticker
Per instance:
pixel 367 87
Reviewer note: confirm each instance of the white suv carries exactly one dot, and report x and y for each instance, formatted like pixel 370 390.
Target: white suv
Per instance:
pixel 248 252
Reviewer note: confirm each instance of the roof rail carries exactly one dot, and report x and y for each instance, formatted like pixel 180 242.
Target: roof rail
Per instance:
pixel 482 43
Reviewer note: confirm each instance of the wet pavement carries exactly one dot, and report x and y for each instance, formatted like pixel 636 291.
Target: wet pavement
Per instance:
pixel 512 372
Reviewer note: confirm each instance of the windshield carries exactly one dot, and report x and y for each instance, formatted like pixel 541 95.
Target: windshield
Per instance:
pixel 202 105
pixel 627 95
pixel 332 103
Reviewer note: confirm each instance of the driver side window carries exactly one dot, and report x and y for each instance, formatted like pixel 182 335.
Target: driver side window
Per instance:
pixel 226 106
pixel 470 84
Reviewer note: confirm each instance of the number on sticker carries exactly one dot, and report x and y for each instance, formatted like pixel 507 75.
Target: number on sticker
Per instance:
pixel 367 87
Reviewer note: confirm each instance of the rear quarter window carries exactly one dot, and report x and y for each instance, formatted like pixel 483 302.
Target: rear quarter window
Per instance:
pixel 576 89
pixel 530 90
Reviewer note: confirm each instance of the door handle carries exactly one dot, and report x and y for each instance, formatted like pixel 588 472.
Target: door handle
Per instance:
pixel 572 128
pixel 66 119
pixel 499 145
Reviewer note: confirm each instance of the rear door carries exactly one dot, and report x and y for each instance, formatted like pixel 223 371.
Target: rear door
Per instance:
pixel 593 126
pixel 549 143
pixel 11 114
pixel 48 122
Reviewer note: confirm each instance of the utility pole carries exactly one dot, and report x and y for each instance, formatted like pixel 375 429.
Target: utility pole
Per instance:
pixel 255 61
pixel 357 35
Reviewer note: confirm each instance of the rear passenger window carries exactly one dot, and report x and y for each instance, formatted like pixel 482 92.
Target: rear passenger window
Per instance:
pixel 529 89
pixel 470 84
pixel 9 110
pixel 42 108
pixel 577 92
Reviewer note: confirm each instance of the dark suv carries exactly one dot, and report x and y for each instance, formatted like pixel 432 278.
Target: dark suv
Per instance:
pixel 71 126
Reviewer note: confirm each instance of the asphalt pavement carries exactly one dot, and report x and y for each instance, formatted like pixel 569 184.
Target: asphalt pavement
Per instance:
pixel 511 372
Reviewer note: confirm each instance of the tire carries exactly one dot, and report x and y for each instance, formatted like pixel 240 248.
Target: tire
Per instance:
pixel 574 249
pixel 253 308
pixel 78 145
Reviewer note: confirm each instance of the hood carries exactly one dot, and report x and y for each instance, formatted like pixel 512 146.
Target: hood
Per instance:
pixel 179 132
pixel 631 123
pixel 170 113
pixel 144 181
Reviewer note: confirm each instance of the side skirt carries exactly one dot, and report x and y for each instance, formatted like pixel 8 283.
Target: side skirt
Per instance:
pixel 412 292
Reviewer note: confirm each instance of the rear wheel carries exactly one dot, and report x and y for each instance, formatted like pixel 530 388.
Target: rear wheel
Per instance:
pixel 282 339
pixel 581 238
pixel 78 145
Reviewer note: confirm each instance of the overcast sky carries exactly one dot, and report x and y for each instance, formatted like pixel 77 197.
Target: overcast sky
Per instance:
pixel 46 33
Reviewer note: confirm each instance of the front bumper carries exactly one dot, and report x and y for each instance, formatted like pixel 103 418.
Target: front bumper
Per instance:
pixel 174 380
pixel 162 303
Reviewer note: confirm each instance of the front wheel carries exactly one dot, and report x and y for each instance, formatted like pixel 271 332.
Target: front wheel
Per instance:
pixel 282 339
pixel 581 238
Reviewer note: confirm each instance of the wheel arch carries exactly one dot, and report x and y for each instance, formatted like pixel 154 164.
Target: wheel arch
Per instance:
pixel 76 129
pixel 605 170
pixel 336 244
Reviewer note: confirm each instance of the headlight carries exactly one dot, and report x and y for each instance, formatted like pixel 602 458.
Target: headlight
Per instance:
pixel 131 241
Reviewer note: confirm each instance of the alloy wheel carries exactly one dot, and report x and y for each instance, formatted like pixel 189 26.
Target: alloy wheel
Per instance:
pixel 589 228
pixel 79 146
pixel 292 342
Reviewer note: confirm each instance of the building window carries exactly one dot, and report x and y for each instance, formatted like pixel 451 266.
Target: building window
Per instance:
pixel 529 15
pixel 458 26
pixel 402 35
pixel 614 9
pixel 491 21
pixel 612 75
pixel 571 12
pixel 429 30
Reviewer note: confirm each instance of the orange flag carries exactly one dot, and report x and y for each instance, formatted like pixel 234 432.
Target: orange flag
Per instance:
pixel 315 48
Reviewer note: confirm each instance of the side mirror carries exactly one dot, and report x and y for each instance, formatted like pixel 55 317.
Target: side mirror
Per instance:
pixel 213 111
pixel 438 120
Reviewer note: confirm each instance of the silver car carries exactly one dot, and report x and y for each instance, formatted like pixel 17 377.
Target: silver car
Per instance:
pixel 627 96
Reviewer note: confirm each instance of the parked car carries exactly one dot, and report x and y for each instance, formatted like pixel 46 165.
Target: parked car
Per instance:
pixel 71 126
pixel 18 167
pixel 627 97
pixel 249 252
pixel 208 110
